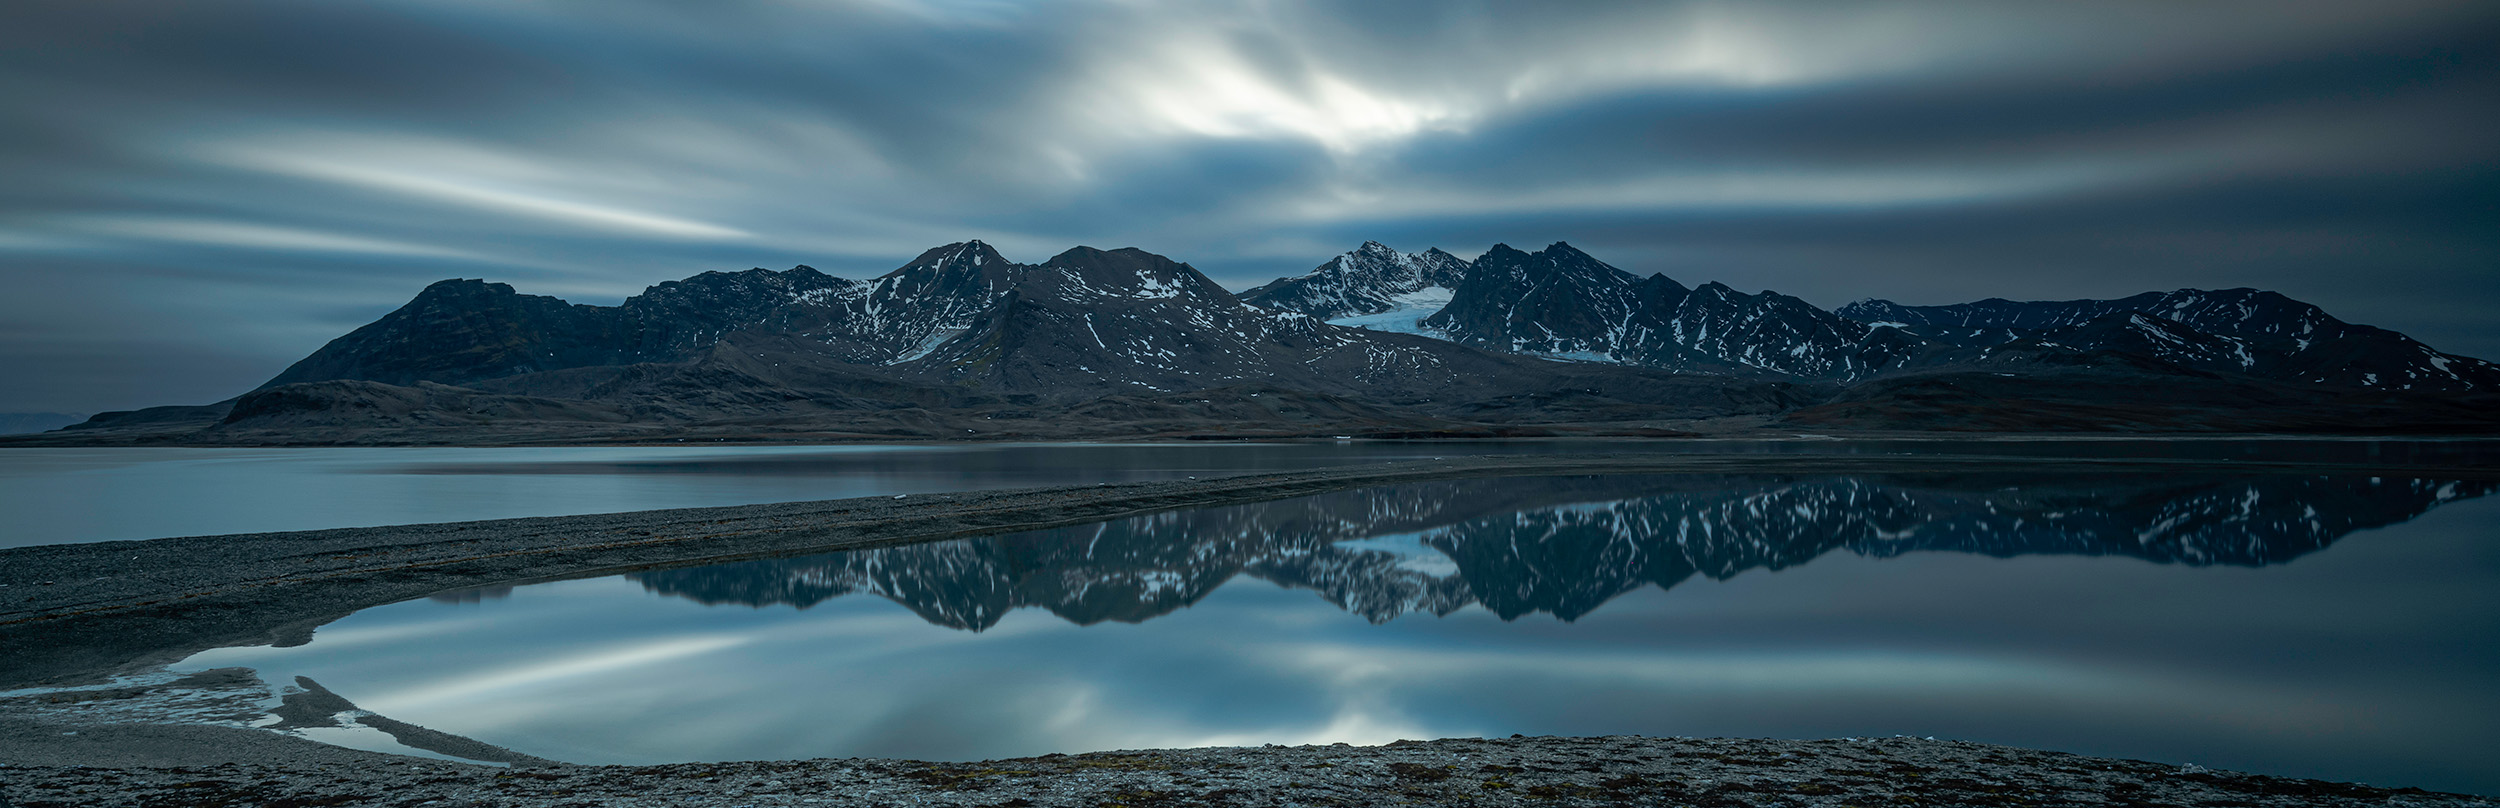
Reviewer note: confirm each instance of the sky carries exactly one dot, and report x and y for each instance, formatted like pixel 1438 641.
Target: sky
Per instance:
pixel 194 195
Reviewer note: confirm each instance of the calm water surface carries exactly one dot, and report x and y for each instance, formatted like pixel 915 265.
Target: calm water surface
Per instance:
pixel 51 496
pixel 2320 626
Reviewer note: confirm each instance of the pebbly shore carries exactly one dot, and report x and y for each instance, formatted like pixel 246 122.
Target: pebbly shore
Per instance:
pixel 1605 771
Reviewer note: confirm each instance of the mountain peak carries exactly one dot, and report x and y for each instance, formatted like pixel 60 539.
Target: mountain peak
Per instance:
pixel 1086 273
pixel 1560 257
pixel 464 287
pixel 1557 301
pixel 1076 254
pixel 463 330
pixel 1659 283
pixel 967 254
pixel 1370 279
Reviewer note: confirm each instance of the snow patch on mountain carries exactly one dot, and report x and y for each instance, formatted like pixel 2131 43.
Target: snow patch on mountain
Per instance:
pixel 1370 279
pixel 1406 314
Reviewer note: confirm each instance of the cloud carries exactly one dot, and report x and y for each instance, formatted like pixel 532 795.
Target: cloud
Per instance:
pixel 248 235
pixel 457 175
pixel 1760 188
pixel 1969 150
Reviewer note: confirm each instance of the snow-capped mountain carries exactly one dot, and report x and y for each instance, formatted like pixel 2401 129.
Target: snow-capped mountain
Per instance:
pixel 1108 319
pixel 1561 302
pixel 2246 331
pixel 1566 546
pixel 1130 320
pixel 1092 322
pixel 1371 286
pixel 1557 301
pixel 903 314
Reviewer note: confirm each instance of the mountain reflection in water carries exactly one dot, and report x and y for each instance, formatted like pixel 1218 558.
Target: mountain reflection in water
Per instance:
pixel 1567 545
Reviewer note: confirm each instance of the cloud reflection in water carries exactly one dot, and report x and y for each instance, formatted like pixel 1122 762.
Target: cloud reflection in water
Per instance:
pixel 2009 610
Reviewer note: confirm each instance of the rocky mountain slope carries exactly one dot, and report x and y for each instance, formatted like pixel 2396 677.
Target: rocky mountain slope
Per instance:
pixel 2246 331
pixel 1557 301
pixel 1561 302
pixel 465 331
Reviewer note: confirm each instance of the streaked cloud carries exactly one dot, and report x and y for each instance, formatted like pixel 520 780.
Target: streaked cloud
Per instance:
pixel 1769 188
pixel 472 177
pixel 250 236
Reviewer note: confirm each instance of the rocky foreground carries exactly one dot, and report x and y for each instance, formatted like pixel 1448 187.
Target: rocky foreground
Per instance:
pixel 1617 770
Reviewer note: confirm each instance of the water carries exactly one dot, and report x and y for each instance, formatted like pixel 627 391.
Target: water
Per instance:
pixel 51 496
pixel 2318 626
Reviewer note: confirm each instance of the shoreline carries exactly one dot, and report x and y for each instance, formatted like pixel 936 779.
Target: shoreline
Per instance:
pixel 1542 771
pixel 1675 432
pixel 78 615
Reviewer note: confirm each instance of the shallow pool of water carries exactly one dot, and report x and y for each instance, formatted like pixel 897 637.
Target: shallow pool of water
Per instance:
pixel 2317 626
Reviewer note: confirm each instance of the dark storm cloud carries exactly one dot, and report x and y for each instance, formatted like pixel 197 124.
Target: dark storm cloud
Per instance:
pixel 199 193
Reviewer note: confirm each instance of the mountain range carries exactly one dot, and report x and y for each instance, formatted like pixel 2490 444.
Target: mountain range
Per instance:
pixel 1565 546
pixel 962 342
pixel 1564 303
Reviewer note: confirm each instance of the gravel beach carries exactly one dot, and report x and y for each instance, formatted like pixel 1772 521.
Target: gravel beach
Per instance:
pixel 1488 772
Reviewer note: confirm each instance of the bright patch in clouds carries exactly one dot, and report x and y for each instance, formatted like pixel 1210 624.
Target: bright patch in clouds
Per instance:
pixel 1202 87
pixel 1265 74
